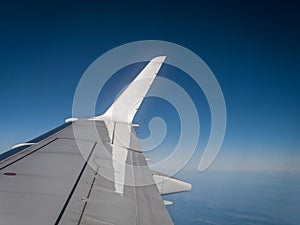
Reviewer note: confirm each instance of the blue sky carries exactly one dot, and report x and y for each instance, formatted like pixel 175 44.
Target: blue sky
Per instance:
pixel 252 48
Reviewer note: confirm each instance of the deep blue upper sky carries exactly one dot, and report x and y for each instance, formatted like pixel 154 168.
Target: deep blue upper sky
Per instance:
pixel 251 46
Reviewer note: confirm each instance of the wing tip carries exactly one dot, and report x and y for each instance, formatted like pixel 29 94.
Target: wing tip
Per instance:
pixel 118 111
pixel 159 59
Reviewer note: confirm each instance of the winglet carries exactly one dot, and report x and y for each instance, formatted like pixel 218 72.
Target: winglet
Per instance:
pixel 126 105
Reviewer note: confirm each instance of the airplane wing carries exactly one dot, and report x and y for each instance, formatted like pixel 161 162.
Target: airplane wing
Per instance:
pixel 87 171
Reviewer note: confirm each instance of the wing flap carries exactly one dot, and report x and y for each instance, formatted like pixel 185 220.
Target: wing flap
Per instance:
pixel 170 185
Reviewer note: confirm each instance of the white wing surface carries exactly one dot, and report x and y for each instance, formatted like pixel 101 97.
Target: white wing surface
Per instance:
pixel 48 182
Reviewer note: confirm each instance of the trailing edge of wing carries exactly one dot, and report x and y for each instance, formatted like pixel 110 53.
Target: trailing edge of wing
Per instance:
pixel 126 105
pixel 169 185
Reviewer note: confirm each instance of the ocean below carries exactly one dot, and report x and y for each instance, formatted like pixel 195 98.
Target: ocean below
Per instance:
pixel 237 197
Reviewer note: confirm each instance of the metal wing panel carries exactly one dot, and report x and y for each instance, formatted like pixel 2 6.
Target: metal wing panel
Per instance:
pixel 14 154
pixel 44 176
pixel 137 205
pixel 90 172
pixel 108 203
pixel 55 185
